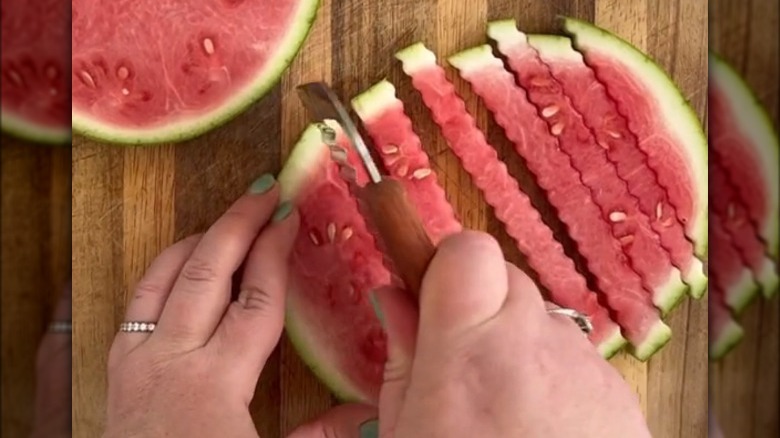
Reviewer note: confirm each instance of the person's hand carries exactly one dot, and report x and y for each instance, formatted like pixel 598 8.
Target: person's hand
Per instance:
pixel 485 359
pixel 53 376
pixel 195 374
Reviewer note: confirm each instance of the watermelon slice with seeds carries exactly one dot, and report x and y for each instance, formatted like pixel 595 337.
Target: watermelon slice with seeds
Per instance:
pixel 383 116
pixel 622 287
pixel 34 90
pixel 745 142
pixel 610 129
pixel 669 131
pixel 590 160
pixel 735 220
pixel 172 71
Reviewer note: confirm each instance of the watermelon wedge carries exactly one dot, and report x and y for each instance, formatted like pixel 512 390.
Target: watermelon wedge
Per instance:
pixel 724 332
pixel 34 94
pixel 669 132
pixel 728 269
pixel 735 220
pixel 383 116
pixel 589 158
pixel 621 286
pixel 610 129
pixel 171 72
pixel 746 144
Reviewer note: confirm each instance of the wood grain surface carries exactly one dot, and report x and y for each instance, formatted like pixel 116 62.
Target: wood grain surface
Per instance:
pixel 745 385
pixel 35 266
pixel 129 204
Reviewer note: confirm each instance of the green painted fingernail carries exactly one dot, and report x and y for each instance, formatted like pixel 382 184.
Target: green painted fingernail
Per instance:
pixel 369 429
pixel 262 184
pixel 377 309
pixel 282 211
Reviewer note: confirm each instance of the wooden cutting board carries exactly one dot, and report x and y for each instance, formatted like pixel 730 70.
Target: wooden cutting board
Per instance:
pixel 35 266
pixel 129 204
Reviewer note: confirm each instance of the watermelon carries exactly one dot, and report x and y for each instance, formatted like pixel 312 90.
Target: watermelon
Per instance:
pixel 669 131
pixel 735 220
pixel 744 141
pixel 723 331
pixel 172 71
pixel 728 269
pixel 622 287
pixel 34 92
pixel 610 129
pixel 383 116
pixel 590 160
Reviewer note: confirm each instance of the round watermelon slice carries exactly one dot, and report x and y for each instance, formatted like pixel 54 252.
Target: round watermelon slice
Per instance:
pixel 746 145
pixel 670 132
pixel 146 71
pixel 35 92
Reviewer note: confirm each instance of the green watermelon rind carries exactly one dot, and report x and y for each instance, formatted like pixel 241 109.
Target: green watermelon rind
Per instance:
pixel 657 336
pixel 757 125
pixel 730 336
pixel 612 345
pixel 562 48
pixel 677 113
pixel 264 81
pixel 740 294
pixel 768 278
pixel 306 157
pixel 25 130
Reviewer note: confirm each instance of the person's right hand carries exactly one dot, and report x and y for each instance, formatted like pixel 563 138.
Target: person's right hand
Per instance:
pixel 487 360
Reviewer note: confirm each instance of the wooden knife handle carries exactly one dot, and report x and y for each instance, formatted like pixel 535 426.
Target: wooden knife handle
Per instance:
pixel 399 225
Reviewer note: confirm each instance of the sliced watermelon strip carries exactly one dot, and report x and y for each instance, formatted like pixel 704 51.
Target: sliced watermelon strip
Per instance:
pixel 403 156
pixel 641 324
pixel 735 220
pixel 383 116
pixel 724 332
pixel 728 270
pixel 334 265
pixel 619 207
pixel 743 138
pixel 600 114
pixel 670 132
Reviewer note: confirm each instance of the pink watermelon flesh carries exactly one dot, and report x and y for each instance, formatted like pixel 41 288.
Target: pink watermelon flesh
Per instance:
pixel 669 132
pixel 383 116
pixel 623 290
pixel 173 70
pixel 34 91
pixel 724 332
pixel 599 112
pixel 610 192
pixel 727 268
pixel 744 140
pixel 334 265
pixel 401 152
pixel 735 220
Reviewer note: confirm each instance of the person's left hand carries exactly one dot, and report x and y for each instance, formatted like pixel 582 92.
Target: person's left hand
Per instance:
pixel 195 374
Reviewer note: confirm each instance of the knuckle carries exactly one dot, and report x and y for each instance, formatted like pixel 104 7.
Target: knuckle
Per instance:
pixel 199 271
pixel 147 288
pixel 255 298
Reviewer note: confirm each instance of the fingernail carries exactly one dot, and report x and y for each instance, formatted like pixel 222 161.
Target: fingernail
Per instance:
pixel 262 184
pixel 377 310
pixel 369 429
pixel 282 211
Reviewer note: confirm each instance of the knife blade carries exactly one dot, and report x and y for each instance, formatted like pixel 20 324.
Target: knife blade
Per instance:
pixel 391 216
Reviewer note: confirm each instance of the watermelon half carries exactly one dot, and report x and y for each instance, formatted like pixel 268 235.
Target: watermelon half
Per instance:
pixel 148 71
pixel 34 89
pixel 746 146
pixel 671 135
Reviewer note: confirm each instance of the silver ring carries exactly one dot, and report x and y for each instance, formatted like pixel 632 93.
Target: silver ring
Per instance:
pixel 137 327
pixel 582 320
pixel 61 327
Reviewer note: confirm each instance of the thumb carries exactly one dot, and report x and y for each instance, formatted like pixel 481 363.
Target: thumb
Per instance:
pixel 344 421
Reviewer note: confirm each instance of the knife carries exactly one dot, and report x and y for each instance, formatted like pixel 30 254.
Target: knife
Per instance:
pixel 390 213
